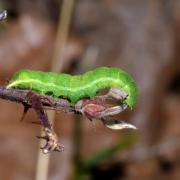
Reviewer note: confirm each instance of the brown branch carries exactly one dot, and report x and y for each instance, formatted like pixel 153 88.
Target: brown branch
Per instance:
pixel 20 96
pixel 30 99
pixel 93 109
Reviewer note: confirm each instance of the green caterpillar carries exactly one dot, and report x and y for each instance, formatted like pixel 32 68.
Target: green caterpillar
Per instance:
pixel 76 87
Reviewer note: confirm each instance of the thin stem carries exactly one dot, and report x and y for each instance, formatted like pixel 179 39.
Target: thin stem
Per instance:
pixel 57 63
pixel 77 134
pixel 20 96
pixel 62 34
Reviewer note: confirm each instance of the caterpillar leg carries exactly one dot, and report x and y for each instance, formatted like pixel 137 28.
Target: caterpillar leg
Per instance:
pixel 113 93
pixel 117 94
pixel 111 111
pixel 50 135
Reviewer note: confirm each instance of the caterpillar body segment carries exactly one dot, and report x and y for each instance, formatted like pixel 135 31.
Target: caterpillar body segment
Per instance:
pixel 76 87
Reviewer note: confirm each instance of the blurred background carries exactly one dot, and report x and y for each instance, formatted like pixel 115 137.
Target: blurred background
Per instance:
pixel 141 37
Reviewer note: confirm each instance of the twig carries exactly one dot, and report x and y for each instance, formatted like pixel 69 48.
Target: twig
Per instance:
pixel 20 96
pixel 62 34
pixel 30 99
